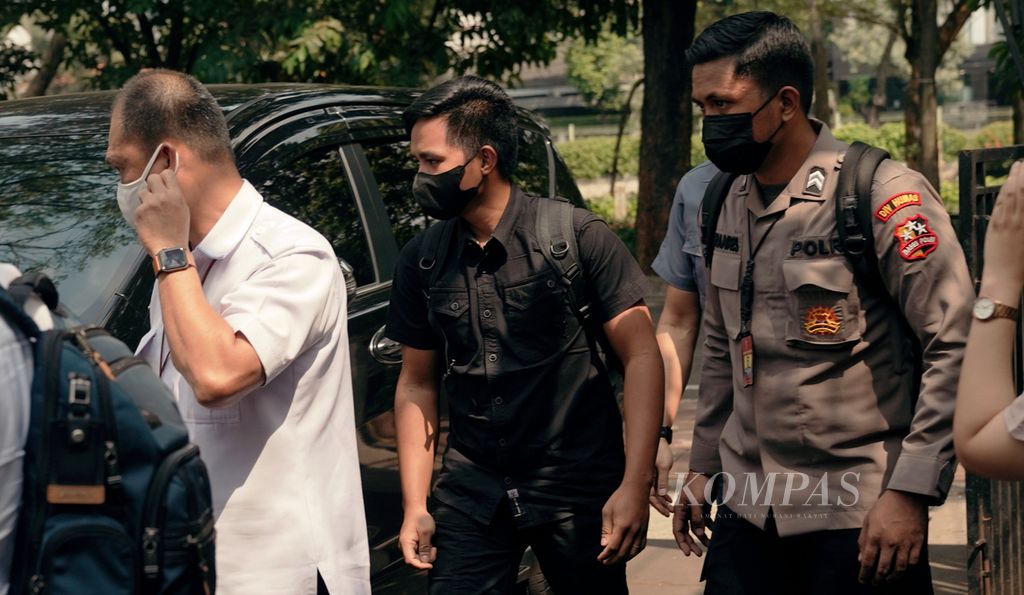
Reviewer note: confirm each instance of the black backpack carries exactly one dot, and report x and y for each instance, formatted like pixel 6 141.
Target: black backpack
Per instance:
pixel 554 232
pixel 116 501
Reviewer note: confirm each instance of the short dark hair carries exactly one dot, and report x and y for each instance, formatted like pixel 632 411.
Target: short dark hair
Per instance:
pixel 768 48
pixel 478 113
pixel 158 104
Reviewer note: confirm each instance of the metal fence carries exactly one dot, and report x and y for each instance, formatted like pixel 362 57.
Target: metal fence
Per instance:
pixel 995 527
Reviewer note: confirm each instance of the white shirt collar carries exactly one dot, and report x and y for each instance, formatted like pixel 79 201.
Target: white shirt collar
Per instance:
pixel 233 224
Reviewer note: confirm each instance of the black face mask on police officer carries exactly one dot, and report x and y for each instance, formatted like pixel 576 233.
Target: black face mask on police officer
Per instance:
pixel 440 195
pixel 729 141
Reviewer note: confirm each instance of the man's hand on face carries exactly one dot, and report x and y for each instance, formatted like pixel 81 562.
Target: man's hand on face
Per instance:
pixel 162 220
pixel 893 536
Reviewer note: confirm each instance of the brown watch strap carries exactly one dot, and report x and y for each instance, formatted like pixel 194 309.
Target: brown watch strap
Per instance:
pixel 1004 311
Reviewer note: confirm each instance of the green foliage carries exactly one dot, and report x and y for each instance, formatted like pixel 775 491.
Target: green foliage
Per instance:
pixel 996 134
pixel 953 141
pixel 14 62
pixel 950 193
pixel 591 158
pixel 890 137
pixel 397 42
pixel 604 207
pixel 599 70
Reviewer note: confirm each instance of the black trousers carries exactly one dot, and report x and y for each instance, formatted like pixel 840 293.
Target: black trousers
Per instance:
pixel 484 559
pixel 744 560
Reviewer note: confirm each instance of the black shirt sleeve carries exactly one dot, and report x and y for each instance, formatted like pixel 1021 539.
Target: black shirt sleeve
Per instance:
pixel 614 279
pixel 407 313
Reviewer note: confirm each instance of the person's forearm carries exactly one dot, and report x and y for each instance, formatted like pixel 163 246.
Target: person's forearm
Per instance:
pixel 677 342
pixel 643 409
pixel 203 345
pixel 416 422
pixel 986 378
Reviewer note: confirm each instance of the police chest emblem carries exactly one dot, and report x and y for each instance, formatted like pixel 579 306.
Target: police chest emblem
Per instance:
pixel 917 240
pixel 822 321
pixel 815 182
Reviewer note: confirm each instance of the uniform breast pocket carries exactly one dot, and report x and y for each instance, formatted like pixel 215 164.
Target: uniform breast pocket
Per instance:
pixel 535 314
pixel 449 310
pixel 824 309
pixel 725 276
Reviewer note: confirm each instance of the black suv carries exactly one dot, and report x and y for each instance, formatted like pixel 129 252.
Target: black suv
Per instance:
pixel 336 158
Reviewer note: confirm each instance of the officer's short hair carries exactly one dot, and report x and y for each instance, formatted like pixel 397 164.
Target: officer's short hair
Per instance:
pixel 478 113
pixel 159 104
pixel 768 48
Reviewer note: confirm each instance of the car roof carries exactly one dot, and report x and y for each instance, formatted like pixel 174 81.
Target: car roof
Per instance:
pixel 88 114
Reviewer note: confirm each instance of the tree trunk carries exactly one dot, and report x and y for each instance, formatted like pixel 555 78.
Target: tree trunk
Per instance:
pixel 666 118
pixel 819 50
pixel 926 43
pixel 1018 118
pixel 51 60
pixel 878 98
pixel 921 116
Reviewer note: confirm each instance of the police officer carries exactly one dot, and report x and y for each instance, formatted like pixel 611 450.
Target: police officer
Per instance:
pixel 831 436
pixel 535 452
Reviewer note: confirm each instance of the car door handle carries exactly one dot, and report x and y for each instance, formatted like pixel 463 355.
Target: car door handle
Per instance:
pixel 385 350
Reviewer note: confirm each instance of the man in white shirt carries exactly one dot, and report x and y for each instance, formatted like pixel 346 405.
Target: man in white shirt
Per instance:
pixel 16 378
pixel 248 328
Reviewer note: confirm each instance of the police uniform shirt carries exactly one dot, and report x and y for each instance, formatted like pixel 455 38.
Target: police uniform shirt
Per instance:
pixel 837 412
pixel 530 410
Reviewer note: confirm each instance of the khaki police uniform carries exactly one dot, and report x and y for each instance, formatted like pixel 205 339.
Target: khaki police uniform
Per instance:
pixel 836 413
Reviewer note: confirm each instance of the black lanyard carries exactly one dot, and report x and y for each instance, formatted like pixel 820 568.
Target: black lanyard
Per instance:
pixel 747 301
pixel 747 285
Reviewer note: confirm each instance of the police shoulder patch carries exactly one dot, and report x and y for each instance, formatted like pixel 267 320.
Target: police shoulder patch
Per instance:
pixel 896 203
pixel 916 238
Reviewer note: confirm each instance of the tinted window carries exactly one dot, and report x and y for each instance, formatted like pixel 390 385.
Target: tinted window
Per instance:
pixel 314 189
pixel 58 214
pixel 394 169
pixel 532 172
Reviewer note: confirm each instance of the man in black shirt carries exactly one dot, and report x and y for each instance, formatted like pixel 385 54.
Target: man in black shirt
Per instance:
pixel 535 453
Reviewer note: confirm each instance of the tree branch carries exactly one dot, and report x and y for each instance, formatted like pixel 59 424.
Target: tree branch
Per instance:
pixel 118 42
pixel 150 41
pixel 954 23
pixel 51 60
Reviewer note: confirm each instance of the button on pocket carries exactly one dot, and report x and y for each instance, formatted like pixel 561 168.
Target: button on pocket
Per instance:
pixel 535 314
pixel 450 307
pixel 824 306
pixel 725 276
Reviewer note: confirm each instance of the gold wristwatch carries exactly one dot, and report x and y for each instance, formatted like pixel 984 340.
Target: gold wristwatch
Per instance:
pixel 986 308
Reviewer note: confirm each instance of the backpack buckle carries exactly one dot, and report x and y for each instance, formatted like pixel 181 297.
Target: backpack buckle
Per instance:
pixel 559 249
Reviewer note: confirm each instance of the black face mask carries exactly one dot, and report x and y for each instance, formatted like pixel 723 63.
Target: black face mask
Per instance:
pixel 729 141
pixel 439 194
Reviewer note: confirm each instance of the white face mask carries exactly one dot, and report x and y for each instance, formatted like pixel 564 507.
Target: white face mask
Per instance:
pixel 128 194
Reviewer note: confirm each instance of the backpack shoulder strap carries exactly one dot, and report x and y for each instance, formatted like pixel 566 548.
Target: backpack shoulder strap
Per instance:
pixel 711 209
pixel 853 212
pixel 557 238
pixel 433 250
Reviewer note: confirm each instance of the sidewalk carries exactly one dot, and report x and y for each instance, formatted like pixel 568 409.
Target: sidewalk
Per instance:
pixel 662 569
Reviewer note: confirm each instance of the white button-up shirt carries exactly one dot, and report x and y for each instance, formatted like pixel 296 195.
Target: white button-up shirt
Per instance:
pixel 282 460
pixel 16 378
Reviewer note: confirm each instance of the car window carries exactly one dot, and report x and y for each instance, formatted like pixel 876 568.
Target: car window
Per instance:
pixel 59 215
pixel 315 190
pixel 394 169
pixel 532 171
